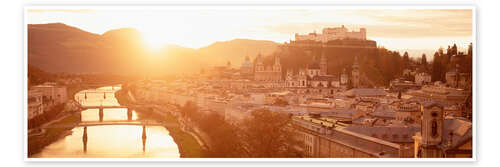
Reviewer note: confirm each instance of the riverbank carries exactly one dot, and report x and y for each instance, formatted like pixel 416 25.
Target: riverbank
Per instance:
pixel 44 137
pixel 188 145
pixel 37 142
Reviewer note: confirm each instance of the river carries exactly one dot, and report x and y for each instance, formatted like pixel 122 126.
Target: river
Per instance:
pixel 111 141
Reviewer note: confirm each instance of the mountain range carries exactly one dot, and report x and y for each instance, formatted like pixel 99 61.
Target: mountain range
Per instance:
pixel 56 47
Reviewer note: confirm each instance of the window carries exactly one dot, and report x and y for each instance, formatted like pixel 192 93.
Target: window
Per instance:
pixel 434 130
pixel 434 114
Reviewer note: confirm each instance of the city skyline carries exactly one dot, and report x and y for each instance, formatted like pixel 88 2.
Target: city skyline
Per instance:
pixel 286 82
pixel 395 29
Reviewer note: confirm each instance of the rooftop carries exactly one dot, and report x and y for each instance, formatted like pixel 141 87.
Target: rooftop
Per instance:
pixel 360 92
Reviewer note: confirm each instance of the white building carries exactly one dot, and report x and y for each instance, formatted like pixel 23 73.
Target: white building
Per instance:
pixel 314 76
pixel 53 93
pixel 422 78
pixel 35 103
pixel 329 34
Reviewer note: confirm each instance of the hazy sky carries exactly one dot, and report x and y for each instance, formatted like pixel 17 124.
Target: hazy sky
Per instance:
pixel 397 29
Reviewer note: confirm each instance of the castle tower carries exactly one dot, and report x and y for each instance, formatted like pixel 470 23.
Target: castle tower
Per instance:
pixel 323 64
pixel 355 73
pixel 432 127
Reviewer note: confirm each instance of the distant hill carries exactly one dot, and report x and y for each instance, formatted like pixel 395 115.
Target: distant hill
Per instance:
pixel 57 47
pixel 236 50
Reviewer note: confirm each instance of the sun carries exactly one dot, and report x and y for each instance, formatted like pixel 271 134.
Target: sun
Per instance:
pixel 154 41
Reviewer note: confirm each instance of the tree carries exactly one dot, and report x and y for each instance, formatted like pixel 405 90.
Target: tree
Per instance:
pixel 189 110
pixel 224 138
pixel 424 62
pixel 269 135
pixel 406 61
pixel 436 67
pixel 454 50
pixel 441 51
pixel 469 50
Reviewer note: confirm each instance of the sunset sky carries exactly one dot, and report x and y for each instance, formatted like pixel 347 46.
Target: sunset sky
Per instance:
pixel 397 29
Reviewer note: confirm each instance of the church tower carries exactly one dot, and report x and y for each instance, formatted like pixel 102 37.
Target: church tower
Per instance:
pixel 323 64
pixel 343 78
pixel 259 73
pixel 432 127
pixel 355 73
pixel 259 65
pixel 277 63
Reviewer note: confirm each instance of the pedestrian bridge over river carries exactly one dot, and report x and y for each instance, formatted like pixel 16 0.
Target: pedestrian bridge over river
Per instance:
pixel 119 122
pixel 104 107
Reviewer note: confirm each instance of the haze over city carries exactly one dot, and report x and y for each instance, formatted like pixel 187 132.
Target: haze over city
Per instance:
pixel 415 31
pixel 234 82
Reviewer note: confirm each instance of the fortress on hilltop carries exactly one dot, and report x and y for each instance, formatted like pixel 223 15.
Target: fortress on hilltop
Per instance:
pixel 330 34
pixel 334 37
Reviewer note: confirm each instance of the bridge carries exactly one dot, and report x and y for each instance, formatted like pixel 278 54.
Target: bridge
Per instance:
pixel 101 110
pixel 98 92
pixel 121 122
pixel 104 107
pixel 118 122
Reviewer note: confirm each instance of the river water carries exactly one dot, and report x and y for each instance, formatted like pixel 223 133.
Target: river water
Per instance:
pixel 111 141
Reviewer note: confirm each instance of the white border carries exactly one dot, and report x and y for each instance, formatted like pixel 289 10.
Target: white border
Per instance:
pixel 253 7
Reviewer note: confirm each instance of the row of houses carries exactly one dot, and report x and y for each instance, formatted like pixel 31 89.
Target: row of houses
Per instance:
pixel 42 98
pixel 436 136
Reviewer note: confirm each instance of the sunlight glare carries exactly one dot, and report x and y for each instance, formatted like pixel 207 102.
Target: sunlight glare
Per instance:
pixel 154 40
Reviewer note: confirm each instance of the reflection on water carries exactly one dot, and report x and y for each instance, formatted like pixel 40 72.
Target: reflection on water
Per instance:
pixel 111 141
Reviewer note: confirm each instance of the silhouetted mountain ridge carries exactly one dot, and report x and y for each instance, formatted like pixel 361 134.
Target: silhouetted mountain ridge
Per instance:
pixel 56 47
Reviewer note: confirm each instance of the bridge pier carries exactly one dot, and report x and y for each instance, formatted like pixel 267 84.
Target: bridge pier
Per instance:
pixel 144 138
pixel 84 139
pixel 129 114
pixel 144 132
pixel 79 115
pixel 101 113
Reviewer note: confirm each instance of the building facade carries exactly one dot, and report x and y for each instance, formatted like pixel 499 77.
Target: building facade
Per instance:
pixel 52 93
pixel 267 73
pixel 35 104
pixel 422 78
pixel 442 137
